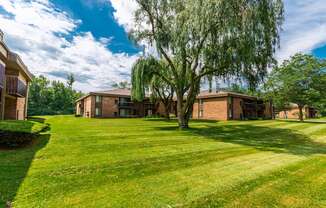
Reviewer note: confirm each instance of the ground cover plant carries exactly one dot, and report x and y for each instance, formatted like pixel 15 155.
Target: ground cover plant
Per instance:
pixel 151 163
pixel 15 133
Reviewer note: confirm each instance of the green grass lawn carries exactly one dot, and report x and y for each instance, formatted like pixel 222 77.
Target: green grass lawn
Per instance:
pixel 150 163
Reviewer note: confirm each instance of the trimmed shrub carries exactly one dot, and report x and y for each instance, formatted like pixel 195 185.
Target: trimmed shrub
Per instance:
pixel 17 133
pixel 13 139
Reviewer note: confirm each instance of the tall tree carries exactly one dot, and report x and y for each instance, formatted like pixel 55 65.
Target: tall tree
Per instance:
pixel 199 38
pixel 146 75
pixel 70 80
pixel 50 98
pixel 300 80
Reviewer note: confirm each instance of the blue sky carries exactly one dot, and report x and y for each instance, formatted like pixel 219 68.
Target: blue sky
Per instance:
pixel 97 17
pixel 89 37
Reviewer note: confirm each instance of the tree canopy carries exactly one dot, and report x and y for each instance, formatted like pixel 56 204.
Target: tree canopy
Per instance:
pixel 300 80
pixel 52 98
pixel 146 76
pixel 200 38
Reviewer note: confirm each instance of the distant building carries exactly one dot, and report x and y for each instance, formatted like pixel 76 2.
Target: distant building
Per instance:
pixel 292 112
pixel 113 104
pixel 14 82
pixel 223 105
pixel 215 106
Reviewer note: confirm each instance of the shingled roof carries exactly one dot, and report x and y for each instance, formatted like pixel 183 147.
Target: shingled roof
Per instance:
pixel 214 94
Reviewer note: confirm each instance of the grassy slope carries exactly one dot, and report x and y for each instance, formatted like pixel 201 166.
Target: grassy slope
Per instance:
pixel 22 126
pixel 149 163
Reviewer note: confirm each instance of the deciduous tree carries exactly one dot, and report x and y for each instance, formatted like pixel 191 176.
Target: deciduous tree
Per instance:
pixel 300 80
pixel 199 38
pixel 146 74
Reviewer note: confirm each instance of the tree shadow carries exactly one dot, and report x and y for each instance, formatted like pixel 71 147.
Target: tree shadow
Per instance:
pixel 14 165
pixel 37 119
pixel 259 137
pixel 174 120
pixel 305 121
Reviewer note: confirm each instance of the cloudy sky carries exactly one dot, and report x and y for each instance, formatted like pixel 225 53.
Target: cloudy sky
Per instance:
pixel 89 37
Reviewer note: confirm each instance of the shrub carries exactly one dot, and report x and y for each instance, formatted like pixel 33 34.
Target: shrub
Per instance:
pixel 17 133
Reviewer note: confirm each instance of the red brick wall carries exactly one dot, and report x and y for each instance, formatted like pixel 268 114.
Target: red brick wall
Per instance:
pixel 10 109
pixel 291 114
pixel 88 107
pixel 294 113
pixel 237 109
pixel 161 109
pixel 214 109
pixel 109 107
pixel 20 108
pixel 78 110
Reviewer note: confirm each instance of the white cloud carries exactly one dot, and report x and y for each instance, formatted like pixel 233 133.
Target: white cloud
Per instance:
pixel 36 30
pixel 124 12
pixel 304 28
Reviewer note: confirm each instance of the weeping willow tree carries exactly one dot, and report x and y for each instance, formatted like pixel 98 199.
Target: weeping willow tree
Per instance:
pixel 200 38
pixel 146 75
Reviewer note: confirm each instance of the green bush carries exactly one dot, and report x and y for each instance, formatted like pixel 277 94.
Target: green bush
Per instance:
pixel 17 133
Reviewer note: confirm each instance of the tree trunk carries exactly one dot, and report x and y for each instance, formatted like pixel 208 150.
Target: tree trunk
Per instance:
pixel 183 122
pixel 300 113
pixel 185 107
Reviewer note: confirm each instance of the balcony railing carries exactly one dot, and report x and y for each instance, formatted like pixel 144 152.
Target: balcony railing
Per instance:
pixel 126 104
pixel 16 87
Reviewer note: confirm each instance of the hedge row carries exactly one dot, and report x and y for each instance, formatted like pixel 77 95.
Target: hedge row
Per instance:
pixel 17 133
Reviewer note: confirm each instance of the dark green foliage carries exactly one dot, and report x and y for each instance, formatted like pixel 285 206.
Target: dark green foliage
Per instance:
pixel 52 98
pixel 205 38
pixel 146 75
pixel 300 80
pixel 16 133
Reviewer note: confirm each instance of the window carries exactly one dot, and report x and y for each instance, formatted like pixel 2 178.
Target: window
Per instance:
pixel 116 101
pixel 201 108
pixel 230 101
pixel 97 111
pixel 201 113
pixel 98 99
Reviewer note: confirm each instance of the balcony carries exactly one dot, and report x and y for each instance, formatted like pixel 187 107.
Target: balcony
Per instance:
pixel 126 104
pixel 16 87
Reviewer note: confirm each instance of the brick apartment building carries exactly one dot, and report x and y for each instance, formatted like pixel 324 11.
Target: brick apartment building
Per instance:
pixel 230 106
pixel 293 112
pixel 14 81
pixel 114 103
pixel 215 106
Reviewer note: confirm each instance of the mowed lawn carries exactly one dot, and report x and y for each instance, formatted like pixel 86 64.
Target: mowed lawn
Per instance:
pixel 150 163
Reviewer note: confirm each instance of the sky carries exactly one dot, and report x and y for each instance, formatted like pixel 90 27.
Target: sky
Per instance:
pixel 89 38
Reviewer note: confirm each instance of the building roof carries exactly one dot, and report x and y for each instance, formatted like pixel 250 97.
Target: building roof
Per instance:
pixel 202 95
pixel 114 92
pixel 120 92
pixel 214 94
pixel 13 60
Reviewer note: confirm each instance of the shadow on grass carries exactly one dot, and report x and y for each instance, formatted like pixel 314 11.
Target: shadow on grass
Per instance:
pixel 14 165
pixel 305 121
pixel 174 120
pixel 262 138
pixel 36 119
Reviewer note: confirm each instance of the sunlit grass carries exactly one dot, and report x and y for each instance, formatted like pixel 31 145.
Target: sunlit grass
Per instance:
pixel 150 163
